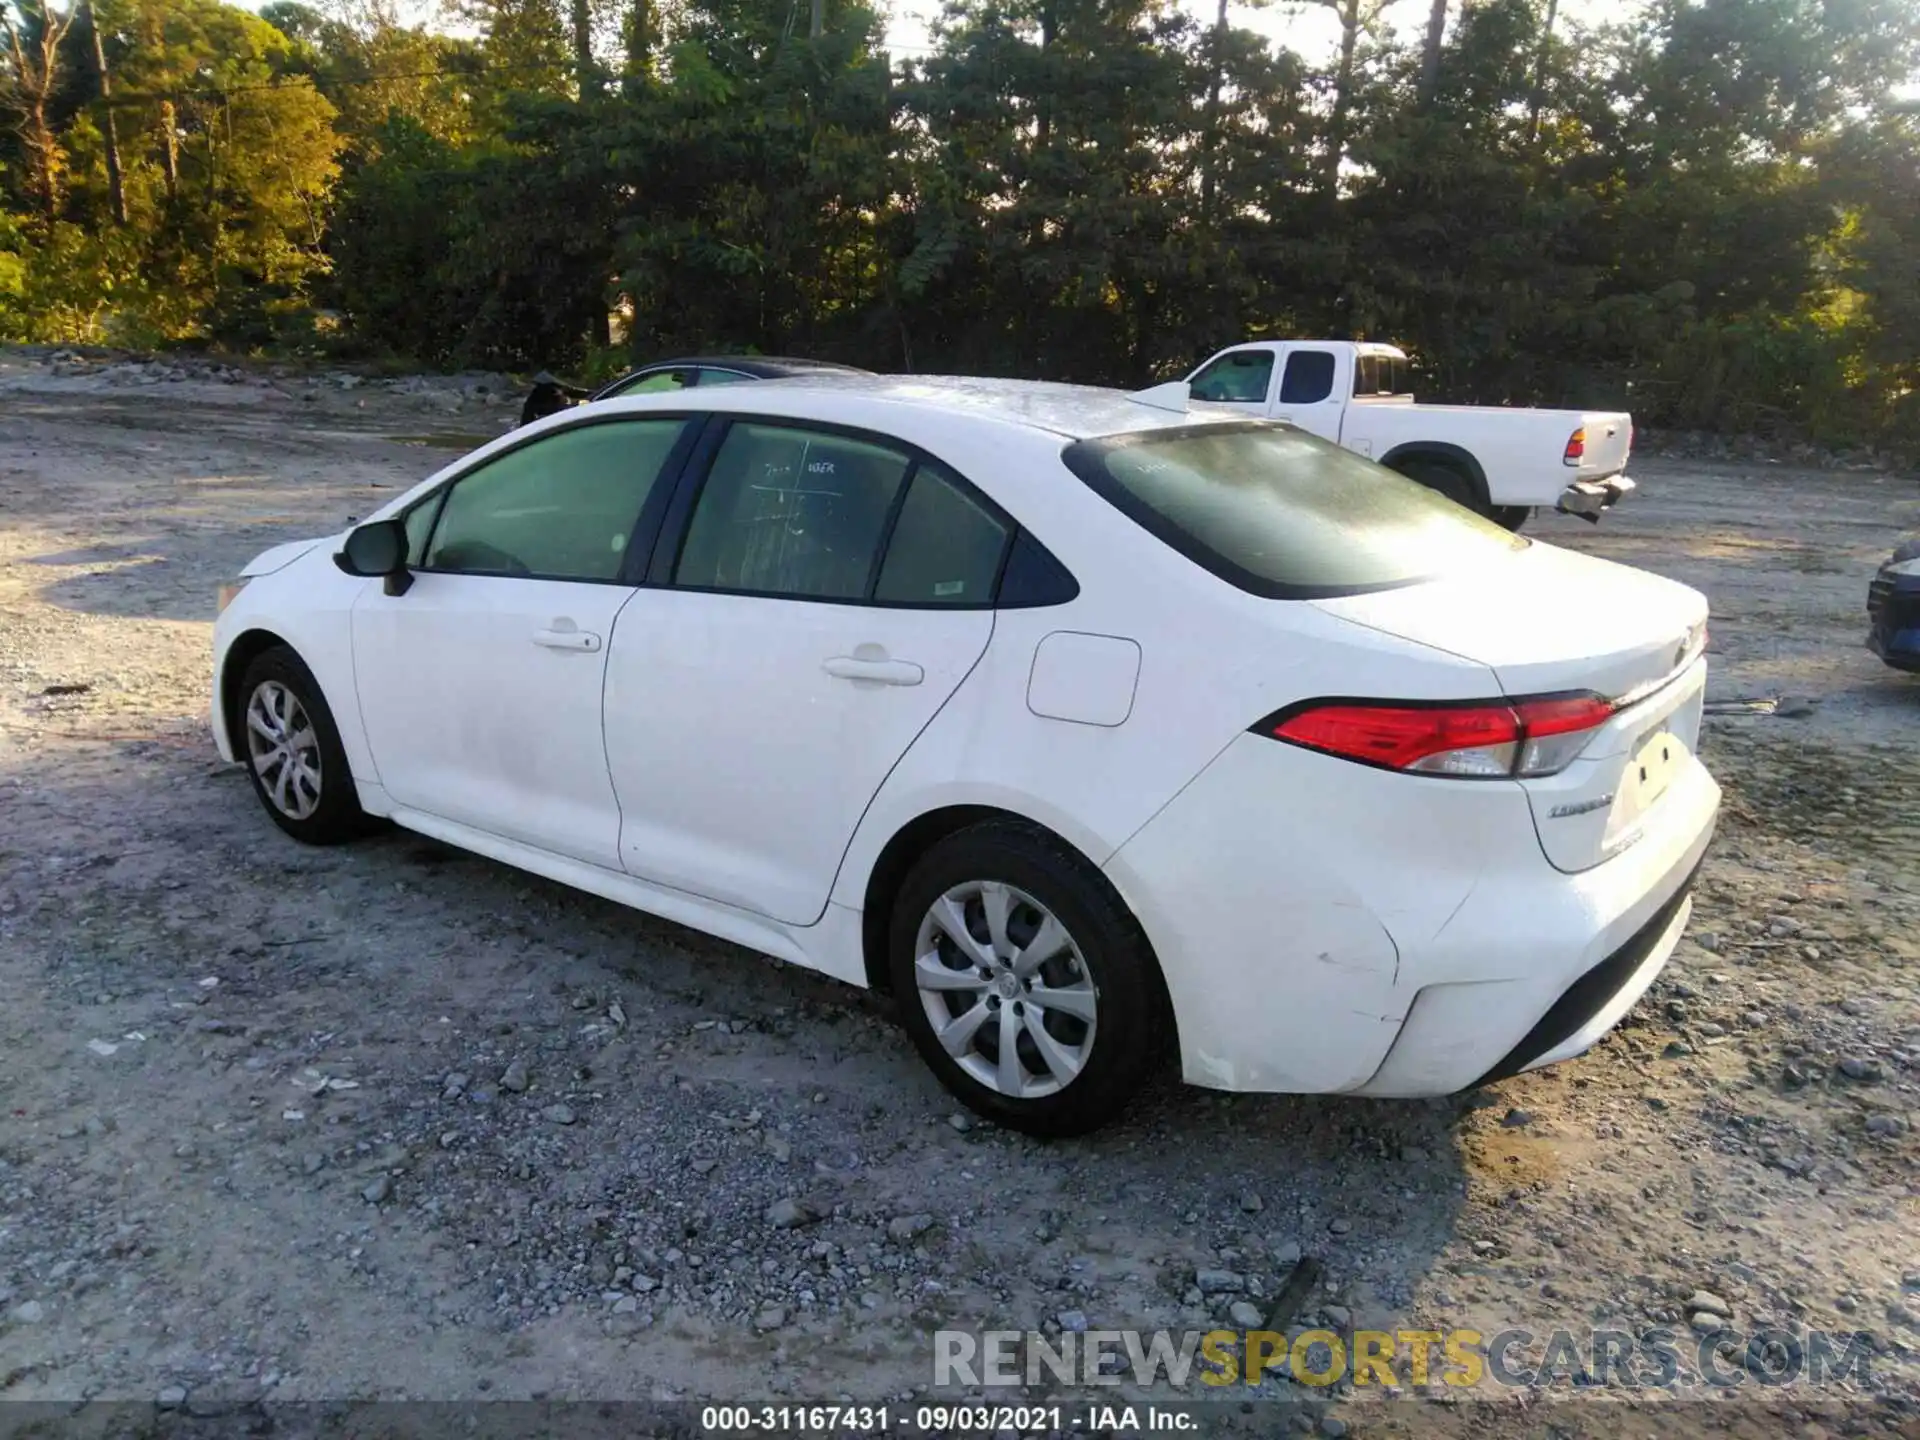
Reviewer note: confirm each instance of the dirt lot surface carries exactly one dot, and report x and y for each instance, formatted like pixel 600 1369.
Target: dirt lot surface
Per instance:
pixel 388 1121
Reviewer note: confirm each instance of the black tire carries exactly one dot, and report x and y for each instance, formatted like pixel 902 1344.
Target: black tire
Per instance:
pixel 1447 480
pixel 1512 516
pixel 336 816
pixel 1131 1026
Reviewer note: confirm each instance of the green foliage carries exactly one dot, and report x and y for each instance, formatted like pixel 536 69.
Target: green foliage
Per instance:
pixel 1708 210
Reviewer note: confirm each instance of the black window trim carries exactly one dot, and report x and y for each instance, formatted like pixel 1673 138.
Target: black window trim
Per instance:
pixel 693 481
pixel 1084 458
pixel 661 530
pixel 646 528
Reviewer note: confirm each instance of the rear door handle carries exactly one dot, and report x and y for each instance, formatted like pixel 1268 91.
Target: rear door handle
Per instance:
pixel 567 640
pixel 884 672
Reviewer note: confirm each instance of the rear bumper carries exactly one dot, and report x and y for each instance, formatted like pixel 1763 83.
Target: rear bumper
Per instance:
pixel 1600 999
pixel 1589 499
pixel 1325 927
pixel 1564 962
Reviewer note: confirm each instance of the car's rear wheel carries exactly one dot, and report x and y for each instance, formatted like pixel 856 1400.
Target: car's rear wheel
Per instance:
pixel 1025 983
pixel 293 753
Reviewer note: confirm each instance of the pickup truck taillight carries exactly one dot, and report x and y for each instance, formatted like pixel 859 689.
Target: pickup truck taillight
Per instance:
pixel 1576 447
pixel 1493 740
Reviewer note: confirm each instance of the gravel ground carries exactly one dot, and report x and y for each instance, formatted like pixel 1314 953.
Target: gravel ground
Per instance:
pixel 390 1121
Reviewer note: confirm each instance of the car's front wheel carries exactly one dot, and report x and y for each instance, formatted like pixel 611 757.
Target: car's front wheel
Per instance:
pixel 293 753
pixel 1024 981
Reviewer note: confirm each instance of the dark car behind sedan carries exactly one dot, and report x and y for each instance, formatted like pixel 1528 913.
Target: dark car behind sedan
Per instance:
pixel 550 395
pixel 1893 609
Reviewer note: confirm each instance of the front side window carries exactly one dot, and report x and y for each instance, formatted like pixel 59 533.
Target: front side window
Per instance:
pixel 1282 513
pixel 1239 376
pixel 419 523
pixel 946 547
pixel 711 376
pixel 791 511
pixel 563 507
pixel 1309 377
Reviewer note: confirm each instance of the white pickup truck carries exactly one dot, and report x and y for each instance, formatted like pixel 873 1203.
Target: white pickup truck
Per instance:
pixel 1502 462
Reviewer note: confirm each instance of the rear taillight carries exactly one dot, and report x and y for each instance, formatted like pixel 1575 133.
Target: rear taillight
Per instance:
pixel 1576 447
pixel 1492 740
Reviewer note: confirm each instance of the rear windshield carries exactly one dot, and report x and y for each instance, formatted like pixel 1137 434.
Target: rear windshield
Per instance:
pixel 1282 513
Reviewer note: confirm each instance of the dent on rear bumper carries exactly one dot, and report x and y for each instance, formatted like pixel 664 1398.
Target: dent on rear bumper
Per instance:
pixel 1302 907
pixel 1515 949
pixel 1272 887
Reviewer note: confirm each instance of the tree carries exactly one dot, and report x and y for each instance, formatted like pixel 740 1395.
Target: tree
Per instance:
pixel 30 44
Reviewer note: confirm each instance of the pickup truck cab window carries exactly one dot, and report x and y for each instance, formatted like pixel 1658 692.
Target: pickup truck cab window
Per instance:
pixel 1309 377
pixel 1380 375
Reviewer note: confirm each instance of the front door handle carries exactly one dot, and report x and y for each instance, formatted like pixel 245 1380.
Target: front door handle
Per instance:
pixel 567 640
pixel 883 672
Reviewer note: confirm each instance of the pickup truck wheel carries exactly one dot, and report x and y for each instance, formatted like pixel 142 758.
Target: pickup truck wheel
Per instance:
pixel 1447 480
pixel 1512 516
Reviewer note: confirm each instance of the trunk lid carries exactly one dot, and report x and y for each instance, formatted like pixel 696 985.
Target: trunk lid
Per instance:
pixel 1545 621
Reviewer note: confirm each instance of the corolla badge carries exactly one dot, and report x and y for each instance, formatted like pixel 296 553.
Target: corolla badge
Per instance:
pixel 1580 807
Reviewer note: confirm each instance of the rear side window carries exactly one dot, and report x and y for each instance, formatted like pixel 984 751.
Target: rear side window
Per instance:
pixel 1238 376
pixel 1309 377
pixel 790 511
pixel 1282 513
pixel 946 547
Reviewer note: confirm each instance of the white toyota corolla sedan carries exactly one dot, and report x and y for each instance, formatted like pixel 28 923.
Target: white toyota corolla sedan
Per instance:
pixel 1094 728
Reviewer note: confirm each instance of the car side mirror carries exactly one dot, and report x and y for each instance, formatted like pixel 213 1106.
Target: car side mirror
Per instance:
pixel 379 548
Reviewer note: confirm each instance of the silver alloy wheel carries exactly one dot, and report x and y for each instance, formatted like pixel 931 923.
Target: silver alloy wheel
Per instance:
pixel 1006 989
pixel 284 749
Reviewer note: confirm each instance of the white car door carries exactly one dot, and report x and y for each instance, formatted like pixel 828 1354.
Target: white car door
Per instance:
pixel 480 685
pixel 1311 395
pixel 830 594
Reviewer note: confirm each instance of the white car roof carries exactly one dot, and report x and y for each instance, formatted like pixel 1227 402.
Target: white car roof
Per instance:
pixel 1072 411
